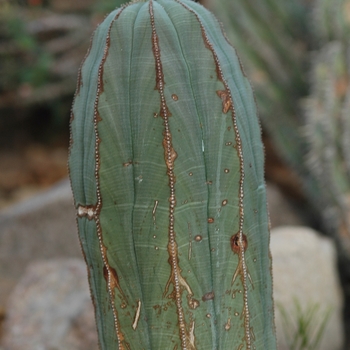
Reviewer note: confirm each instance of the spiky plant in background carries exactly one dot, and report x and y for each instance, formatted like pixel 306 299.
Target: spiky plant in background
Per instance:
pixel 308 118
pixel 331 20
pixel 304 328
pixel 166 165
pixel 271 37
pixel 297 55
pixel 327 131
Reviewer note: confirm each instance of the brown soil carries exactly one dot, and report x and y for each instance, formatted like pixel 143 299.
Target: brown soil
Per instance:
pixel 30 169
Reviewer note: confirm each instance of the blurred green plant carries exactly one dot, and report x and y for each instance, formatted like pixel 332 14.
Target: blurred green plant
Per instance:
pixel 40 52
pixel 23 59
pixel 303 329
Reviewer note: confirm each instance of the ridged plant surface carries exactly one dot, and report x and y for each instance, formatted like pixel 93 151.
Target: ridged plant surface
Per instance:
pixel 166 165
pixel 297 53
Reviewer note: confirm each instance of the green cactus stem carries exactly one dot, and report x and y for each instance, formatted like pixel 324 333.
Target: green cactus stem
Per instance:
pixel 166 165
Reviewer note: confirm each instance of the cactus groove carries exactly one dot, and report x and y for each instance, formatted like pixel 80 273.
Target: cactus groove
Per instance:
pixel 166 166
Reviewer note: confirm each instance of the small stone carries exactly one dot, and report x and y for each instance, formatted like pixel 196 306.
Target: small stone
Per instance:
pixel 50 308
pixel 305 273
pixel 41 227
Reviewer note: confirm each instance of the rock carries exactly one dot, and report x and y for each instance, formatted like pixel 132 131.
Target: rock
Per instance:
pixel 50 308
pixel 305 274
pixel 41 227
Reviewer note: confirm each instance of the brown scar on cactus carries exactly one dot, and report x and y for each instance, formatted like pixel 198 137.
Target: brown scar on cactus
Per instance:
pixel 183 285
pixel 236 246
pixel 111 277
pixel 170 155
pixel 226 100
pixel 208 296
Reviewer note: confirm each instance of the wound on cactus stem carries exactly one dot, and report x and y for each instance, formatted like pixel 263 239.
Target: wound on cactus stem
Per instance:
pixel 236 245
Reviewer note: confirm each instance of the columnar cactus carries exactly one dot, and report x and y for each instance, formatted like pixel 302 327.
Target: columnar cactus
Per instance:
pixel 313 135
pixel 166 166
pixel 332 20
pixel 327 130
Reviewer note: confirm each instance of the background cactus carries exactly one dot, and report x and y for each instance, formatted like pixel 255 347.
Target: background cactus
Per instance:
pixel 272 37
pixel 166 166
pixel 307 115
pixel 331 20
pixel 327 130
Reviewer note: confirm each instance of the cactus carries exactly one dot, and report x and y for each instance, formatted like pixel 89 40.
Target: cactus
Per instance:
pixel 166 167
pixel 327 130
pixel 312 136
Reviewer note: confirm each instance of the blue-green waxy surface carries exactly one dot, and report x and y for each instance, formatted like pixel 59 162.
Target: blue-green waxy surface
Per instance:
pixel 166 166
